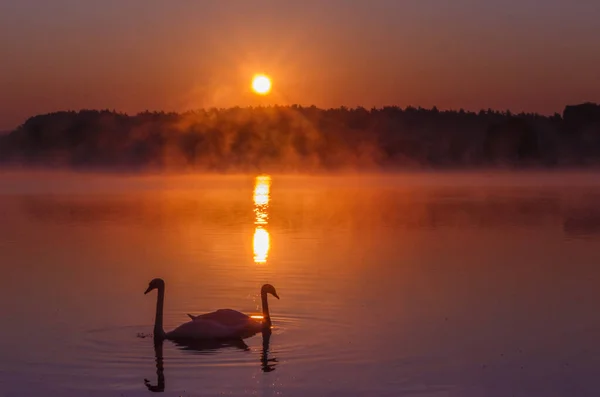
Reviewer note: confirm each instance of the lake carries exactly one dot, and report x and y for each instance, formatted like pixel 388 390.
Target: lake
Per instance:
pixel 473 284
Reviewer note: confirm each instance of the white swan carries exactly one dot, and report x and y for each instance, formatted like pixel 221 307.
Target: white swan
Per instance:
pixel 245 324
pixel 197 329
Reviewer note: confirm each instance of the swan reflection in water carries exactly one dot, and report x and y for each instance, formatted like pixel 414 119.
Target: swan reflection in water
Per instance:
pixel 267 364
pixel 160 374
pixel 208 347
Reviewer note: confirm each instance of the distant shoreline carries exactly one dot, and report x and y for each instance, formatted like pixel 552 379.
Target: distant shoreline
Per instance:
pixel 305 140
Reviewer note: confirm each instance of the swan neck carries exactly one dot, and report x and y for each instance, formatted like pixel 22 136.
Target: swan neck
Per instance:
pixel 159 332
pixel 265 308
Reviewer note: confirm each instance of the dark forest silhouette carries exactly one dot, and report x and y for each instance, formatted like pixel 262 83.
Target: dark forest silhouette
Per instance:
pixel 295 138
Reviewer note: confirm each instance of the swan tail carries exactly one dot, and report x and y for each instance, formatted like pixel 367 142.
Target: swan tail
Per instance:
pixel 192 317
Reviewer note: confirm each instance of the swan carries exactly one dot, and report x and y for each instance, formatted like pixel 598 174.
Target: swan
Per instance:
pixel 241 321
pixel 192 330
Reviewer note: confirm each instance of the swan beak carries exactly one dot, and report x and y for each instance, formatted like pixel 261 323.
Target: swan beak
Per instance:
pixel 148 290
pixel 275 295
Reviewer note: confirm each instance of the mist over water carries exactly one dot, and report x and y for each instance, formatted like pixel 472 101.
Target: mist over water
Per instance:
pixel 416 284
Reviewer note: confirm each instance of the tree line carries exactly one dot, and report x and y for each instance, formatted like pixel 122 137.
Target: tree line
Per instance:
pixel 296 138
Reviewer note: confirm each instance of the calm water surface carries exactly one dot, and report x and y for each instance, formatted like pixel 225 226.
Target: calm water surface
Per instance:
pixel 422 285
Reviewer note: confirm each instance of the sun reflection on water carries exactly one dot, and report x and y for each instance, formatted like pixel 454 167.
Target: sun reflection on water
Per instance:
pixel 262 239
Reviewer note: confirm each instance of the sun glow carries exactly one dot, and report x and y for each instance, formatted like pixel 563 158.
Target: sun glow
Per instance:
pixel 261 84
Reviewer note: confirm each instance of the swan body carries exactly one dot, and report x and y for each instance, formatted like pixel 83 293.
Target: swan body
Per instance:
pixel 244 324
pixel 223 316
pixel 240 321
pixel 208 328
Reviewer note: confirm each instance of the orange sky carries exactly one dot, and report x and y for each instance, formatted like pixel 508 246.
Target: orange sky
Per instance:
pixel 136 55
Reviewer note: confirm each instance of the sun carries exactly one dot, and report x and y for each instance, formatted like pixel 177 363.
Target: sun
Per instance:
pixel 261 84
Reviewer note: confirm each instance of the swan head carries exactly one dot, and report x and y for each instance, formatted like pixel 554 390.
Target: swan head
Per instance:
pixel 269 289
pixel 157 283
